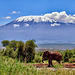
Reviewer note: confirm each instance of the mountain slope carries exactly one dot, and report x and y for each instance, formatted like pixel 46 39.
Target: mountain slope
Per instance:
pixel 41 28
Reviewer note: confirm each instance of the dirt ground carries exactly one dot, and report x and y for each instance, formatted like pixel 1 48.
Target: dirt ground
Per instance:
pixel 40 65
pixel 69 65
pixel 66 65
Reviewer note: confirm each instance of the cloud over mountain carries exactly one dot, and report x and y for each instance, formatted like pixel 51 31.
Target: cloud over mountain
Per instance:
pixel 26 25
pixel 8 17
pixel 55 24
pixel 16 25
pixel 14 12
pixel 50 17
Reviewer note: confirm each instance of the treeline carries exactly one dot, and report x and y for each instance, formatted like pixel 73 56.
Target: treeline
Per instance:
pixel 24 52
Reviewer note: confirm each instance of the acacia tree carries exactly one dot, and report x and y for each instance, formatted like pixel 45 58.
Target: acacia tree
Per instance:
pixel 20 53
pixel 5 42
pixel 30 50
pixel 11 49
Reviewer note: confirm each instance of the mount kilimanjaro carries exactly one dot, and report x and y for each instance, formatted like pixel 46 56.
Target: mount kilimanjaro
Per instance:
pixel 54 27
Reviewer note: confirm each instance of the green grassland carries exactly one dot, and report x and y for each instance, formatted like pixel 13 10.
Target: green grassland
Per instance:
pixel 9 66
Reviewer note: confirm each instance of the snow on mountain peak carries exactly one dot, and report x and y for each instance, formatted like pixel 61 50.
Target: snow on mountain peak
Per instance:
pixel 50 17
pixel 35 18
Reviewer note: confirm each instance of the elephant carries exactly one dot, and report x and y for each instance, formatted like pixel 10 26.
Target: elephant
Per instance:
pixel 52 56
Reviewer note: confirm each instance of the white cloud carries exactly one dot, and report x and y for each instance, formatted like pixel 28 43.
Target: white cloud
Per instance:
pixel 16 25
pixel 8 17
pixel 73 15
pixel 26 25
pixel 50 17
pixel 0 24
pixel 55 24
pixel 14 12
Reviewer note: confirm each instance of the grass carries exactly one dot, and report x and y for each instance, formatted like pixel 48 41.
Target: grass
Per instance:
pixel 8 66
pixel 58 72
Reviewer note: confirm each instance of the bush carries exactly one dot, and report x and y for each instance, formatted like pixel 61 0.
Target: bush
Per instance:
pixel 67 55
pixel 72 60
pixel 1 52
pixel 40 53
pixel 38 59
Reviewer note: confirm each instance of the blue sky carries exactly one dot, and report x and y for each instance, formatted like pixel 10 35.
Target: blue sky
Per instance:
pixel 12 9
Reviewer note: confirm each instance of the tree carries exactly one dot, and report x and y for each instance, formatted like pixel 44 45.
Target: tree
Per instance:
pixel 30 50
pixel 10 52
pixel 21 54
pixel 5 42
pixel 13 44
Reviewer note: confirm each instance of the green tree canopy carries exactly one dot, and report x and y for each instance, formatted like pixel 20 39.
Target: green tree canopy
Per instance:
pixel 5 42
pixel 30 50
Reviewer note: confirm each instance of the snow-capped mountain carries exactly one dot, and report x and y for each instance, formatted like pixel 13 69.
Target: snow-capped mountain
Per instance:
pixel 52 27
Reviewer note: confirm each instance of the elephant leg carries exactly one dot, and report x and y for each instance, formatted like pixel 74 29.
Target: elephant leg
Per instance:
pixel 49 63
pixel 59 62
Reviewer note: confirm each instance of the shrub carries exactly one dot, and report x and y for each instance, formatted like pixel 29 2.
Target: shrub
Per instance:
pixel 40 53
pixel 1 52
pixel 71 60
pixel 67 55
pixel 38 59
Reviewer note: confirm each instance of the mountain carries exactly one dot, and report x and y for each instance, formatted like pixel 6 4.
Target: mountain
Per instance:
pixel 44 29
